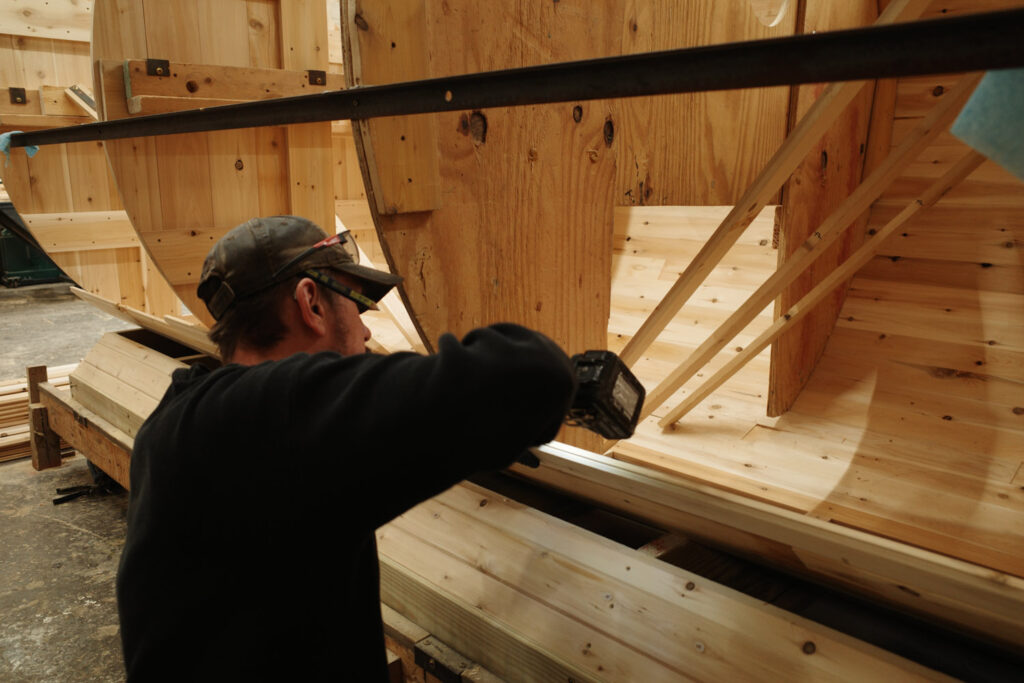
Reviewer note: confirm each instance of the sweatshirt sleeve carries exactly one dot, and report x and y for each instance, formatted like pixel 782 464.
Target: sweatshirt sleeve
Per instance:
pixel 396 430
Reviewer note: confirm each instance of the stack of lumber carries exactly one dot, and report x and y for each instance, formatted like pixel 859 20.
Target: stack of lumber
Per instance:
pixel 14 413
pixel 534 597
pixel 122 380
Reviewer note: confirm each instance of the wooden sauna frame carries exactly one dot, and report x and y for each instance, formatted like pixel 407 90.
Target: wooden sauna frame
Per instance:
pixel 641 477
pixel 630 478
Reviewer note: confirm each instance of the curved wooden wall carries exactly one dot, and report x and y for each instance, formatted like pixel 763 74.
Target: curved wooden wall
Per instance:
pixel 65 194
pixel 507 214
pixel 182 192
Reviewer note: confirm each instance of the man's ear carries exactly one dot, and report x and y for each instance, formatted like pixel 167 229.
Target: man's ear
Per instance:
pixel 312 307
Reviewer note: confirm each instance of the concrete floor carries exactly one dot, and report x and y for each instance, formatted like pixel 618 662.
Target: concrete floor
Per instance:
pixel 58 616
pixel 47 325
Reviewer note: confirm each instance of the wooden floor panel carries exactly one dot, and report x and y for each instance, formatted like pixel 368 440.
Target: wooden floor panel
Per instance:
pixel 911 427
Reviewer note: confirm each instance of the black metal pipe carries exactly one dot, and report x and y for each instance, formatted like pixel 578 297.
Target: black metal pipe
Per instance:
pixel 975 42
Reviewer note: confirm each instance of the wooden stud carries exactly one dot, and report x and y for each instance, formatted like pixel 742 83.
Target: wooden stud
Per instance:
pixel 826 234
pixel 808 131
pixel 831 170
pixel 806 304
pixel 44 442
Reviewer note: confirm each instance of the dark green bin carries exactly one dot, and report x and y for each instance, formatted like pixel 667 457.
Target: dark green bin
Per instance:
pixel 22 263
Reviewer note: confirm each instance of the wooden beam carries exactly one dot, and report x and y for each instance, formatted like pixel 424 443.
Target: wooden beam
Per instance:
pixel 959 593
pixel 812 126
pixel 800 309
pixel 616 614
pixel 145 105
pixel 181 331
pixel 916 142
pixel 27 121
pixel 226 84
pixel 81 230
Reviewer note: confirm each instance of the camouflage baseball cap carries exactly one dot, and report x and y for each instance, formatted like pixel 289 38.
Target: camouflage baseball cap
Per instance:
pixel 263 252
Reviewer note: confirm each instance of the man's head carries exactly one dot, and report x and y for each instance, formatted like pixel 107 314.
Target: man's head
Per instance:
pixel 278 285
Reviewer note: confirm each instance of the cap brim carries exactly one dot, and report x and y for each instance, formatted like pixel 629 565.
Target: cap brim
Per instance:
pixel 376 283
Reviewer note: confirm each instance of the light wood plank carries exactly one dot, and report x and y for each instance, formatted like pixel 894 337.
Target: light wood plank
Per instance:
pixel 57 19
pixel 82 230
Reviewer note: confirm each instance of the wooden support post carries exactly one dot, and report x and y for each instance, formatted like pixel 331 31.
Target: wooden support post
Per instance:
pixel 812 126
pixel 44 441
pixel 801 308
pixel 861 198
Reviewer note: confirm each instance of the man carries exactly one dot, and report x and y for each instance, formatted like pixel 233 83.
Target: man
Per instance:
pixel 256 487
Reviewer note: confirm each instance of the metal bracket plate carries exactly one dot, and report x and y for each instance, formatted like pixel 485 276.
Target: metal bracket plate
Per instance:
pixel 18 95
pixel 84 95
pixel 158 67
pixel 316 77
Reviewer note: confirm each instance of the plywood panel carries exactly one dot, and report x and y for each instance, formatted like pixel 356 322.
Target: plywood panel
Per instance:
pixel 829 173
pixel 694 149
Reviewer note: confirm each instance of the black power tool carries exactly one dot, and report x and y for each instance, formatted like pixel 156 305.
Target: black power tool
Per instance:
pixel 608 398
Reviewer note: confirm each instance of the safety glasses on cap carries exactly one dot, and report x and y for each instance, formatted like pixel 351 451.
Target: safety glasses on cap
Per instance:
pixel 363 302
pixel 344 238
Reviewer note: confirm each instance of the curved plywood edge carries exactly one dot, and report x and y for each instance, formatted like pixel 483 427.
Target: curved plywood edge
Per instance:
pixel 65 194
pixel 182 192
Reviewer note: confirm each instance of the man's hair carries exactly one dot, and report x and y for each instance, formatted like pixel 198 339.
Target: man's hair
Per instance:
pixel 254 321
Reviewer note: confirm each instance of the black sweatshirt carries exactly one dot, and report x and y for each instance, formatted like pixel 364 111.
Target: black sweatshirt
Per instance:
pixel 256 491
